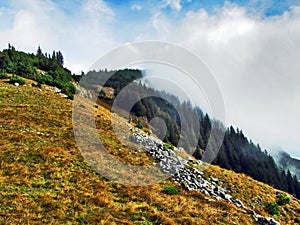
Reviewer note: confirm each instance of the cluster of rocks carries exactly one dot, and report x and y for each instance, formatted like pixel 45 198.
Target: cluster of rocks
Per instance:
pixel 85 93
pixel 28 130
pixel 189 177
pixel 52 89
pixel 56 90
pixel 25 130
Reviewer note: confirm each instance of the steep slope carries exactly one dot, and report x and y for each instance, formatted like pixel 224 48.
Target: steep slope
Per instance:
pixel 199 134
pixel 45 179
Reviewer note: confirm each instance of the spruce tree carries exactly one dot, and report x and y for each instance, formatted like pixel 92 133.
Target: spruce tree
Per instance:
pixel 39 52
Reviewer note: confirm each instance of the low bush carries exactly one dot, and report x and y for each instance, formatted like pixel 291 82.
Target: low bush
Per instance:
pixel 68 88
pixel 170 190
pixel 139 125
pixel 3 75
pixel 15 79
pixel 169 146
pixel 37 85
pixel 272 208
pixel 282 199
pixel 44 79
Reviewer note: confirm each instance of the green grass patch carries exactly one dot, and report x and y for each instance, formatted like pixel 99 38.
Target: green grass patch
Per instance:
pixel 170 190
pixel 169 146
pixel 272 208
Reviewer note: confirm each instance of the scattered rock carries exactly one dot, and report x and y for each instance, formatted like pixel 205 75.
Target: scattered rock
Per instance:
pixel 265 221
pixel 63 95
pixel 191 179
pixel 28 130
pixel 214 180
pixel 57 90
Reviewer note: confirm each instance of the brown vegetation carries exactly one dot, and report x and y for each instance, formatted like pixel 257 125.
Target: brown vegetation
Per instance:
pixel 45 180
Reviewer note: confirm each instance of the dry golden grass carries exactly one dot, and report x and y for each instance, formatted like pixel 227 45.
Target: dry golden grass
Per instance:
pixel 254 194
pixel 45 180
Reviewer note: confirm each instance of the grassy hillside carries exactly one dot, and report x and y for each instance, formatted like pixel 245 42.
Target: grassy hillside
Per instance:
pixel 45 180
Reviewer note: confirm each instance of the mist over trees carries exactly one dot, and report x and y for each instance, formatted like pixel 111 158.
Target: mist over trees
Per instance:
pixel 191 128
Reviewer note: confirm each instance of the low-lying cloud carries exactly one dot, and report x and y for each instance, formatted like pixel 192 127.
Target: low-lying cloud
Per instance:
pixel 256 63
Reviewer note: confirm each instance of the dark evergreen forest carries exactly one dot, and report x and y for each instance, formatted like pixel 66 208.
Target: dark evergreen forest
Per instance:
pixel 41 67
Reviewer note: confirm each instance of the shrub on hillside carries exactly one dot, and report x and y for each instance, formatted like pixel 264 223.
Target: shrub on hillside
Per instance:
pixel 169 146
pixel 15 79
pixel 170 190
pixel 272 208
pixel 282 199
pixel 3 75
pixel 139 125
pixel 69 89
pixel 37 85
pixel 44 79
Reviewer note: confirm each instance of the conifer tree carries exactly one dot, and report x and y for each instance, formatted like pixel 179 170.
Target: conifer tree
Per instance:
pixel 39 52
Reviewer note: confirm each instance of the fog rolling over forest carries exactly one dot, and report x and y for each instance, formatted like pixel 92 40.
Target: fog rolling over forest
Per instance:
pixel 174 81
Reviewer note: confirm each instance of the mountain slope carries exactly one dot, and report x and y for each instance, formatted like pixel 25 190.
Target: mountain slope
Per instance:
pixel 45 179
pixel 199 134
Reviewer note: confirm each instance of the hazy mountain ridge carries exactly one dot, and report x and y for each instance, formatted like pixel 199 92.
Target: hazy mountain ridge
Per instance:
pixel 287 162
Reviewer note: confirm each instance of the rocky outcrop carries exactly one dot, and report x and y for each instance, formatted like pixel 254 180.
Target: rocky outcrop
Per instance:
pixel 189 177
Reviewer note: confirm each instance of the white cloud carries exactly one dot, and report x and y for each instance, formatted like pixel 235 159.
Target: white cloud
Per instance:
pixel 174 4
pixel 256 63
pixel 233 25
pixel 82 37
pixel 136 7
pixel 27 24
pixel 161 24
pixel 98 8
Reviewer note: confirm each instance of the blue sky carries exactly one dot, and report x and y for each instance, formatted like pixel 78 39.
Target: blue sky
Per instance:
pixel 251 46
pixel 131 14
pixel 266 7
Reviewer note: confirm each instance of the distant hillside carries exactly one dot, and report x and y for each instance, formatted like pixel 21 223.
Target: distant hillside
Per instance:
pixel 45 179
pixel 288 163
pixel 237 152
